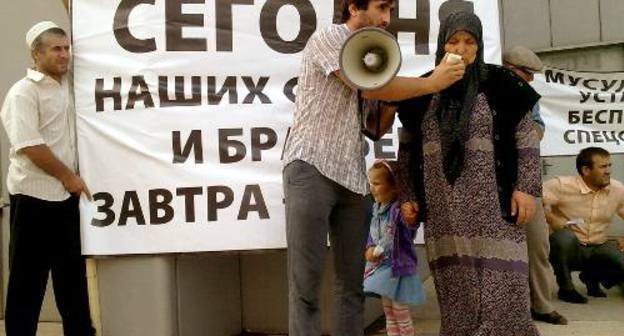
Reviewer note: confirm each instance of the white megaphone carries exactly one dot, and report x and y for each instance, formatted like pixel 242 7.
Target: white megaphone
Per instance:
pixel 370 58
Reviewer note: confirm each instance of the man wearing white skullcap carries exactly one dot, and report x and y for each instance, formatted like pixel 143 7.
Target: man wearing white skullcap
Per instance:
pixel 35 31
pixel 44 187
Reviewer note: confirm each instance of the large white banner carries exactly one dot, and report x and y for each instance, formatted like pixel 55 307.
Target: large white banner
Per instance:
pixel 183 107
pixel 581 109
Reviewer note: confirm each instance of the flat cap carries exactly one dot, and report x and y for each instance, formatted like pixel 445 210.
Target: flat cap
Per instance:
pixel 523 57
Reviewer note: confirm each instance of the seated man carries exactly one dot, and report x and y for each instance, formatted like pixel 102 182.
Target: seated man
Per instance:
pixel 579 210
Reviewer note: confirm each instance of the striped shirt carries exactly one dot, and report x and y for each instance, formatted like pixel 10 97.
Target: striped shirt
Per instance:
pixel 39 110
pixel 326 127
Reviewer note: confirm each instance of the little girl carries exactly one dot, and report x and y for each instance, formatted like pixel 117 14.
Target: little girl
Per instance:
pixel 391 259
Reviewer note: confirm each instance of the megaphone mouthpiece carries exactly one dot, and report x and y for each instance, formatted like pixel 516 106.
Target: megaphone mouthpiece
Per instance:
pixel 374 60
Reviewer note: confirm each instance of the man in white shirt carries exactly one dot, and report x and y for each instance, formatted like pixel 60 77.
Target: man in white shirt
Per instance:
pixel 44 187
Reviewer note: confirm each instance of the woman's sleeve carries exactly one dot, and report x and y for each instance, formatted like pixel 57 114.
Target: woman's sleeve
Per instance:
pixel 405 174
pixel 527 142
pixel 410 112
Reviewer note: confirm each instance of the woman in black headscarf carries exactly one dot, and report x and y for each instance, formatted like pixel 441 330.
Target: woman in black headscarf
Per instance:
pixel 470 164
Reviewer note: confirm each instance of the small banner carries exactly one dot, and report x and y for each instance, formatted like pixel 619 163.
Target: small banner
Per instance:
pixel 581 109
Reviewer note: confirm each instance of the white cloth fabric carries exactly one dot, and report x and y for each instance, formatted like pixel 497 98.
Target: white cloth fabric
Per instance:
pixel 37 30
pixel 39 110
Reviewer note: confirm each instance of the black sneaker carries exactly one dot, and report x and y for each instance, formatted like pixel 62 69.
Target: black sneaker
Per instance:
pixel 571 296
pixel 553 317
pixel 593 287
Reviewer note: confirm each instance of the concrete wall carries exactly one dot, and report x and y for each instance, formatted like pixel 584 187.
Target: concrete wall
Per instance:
pixel 591 58
pixel 203 294
pixel 543 24
pixel 190 295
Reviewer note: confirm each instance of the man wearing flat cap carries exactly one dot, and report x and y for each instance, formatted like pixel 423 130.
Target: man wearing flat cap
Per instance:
pixel 44 187
pixel 525 63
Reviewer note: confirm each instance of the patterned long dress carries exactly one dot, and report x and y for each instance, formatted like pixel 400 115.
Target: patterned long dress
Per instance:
pixel 478 260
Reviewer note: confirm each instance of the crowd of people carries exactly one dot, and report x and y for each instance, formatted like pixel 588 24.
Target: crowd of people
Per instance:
pixel 467 167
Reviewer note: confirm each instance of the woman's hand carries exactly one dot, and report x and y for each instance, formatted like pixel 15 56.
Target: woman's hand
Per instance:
pixel 522 205
pixel 445 74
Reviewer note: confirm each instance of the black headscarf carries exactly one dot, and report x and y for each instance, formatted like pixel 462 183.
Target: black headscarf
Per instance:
pixel 456 102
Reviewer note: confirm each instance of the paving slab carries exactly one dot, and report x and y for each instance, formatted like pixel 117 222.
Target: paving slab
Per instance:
pixel 599 317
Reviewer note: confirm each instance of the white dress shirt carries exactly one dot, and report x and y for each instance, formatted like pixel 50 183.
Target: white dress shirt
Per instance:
pixel 39 110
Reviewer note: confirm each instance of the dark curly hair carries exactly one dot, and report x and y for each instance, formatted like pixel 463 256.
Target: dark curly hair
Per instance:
pixel 360 4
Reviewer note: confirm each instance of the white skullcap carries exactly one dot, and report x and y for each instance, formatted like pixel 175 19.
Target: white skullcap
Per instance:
pixel 37 30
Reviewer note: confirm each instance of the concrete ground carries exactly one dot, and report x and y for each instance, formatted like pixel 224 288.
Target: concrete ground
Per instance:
pixel 45 329
pixel 600 317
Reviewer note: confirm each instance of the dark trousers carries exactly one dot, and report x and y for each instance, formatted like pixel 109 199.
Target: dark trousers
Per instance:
pixel 316 206
pixel 45 237
pixel 602 263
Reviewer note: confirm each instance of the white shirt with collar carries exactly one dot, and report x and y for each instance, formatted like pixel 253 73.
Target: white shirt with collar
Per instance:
pixel 39 110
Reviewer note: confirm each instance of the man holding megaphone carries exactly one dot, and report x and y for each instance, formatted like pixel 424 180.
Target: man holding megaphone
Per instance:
pixel 324 169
